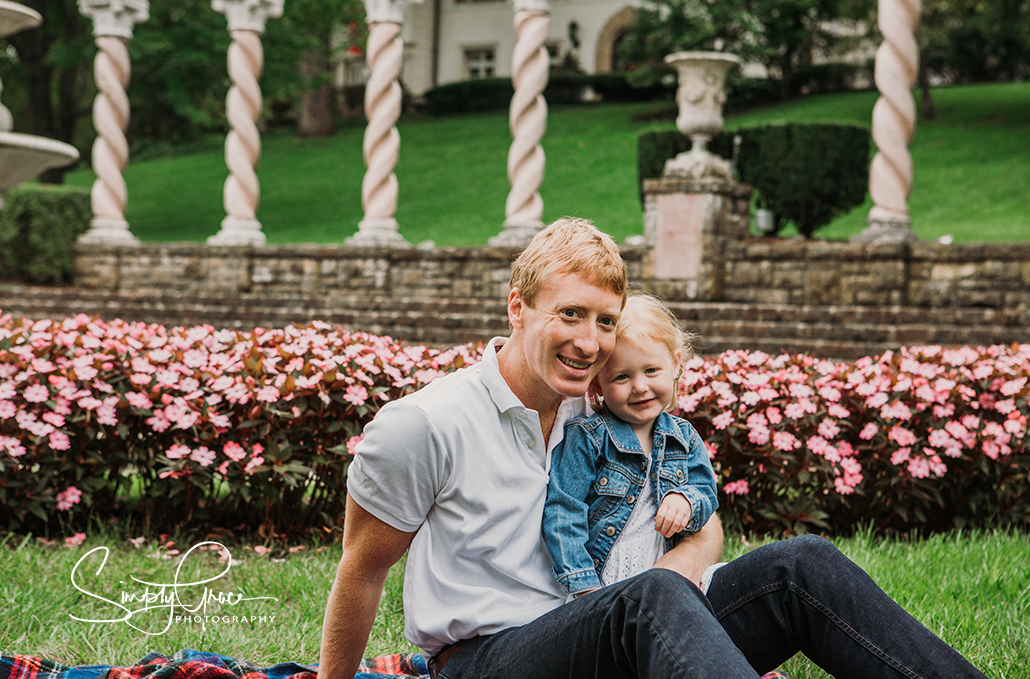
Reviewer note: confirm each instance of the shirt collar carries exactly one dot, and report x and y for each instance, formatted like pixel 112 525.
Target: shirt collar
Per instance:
pixel 625 438
pixel 505 399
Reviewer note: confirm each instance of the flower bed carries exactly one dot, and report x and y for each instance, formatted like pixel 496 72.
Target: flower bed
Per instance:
pixel 177 427
pixel 185 427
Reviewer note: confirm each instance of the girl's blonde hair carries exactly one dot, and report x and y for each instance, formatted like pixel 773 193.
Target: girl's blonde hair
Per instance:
pixel 646 317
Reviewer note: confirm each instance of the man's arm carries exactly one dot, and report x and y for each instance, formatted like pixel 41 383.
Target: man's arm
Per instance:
pixel 695 552
pixel 370 548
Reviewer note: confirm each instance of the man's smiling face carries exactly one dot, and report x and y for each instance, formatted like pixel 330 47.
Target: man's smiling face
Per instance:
pixel 568 333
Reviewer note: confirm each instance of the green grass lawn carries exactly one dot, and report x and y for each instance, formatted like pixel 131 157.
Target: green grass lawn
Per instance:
pixel 972 173
pixel 973 590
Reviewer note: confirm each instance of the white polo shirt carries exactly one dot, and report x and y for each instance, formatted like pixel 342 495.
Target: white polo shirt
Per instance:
pixel 464 463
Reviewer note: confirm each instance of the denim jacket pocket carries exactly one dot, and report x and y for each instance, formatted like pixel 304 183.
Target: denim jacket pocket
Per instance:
pixel 610 487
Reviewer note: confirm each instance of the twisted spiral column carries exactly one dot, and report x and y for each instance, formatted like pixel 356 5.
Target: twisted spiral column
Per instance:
pixel 243 143
pixel 110 149
pixel 112 27
pixel 381 146
pixel 894 120
pixel 527 119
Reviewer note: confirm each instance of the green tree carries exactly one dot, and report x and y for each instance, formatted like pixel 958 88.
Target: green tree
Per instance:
pixel 306 41
pixel 47 77
pixel 782 35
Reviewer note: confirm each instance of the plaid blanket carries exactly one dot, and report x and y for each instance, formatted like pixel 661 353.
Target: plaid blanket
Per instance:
pixel 190 664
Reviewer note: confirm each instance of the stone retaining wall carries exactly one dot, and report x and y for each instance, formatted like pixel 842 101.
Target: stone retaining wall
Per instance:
pixel 833 299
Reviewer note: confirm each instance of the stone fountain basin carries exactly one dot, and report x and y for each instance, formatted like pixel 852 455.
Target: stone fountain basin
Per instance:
pixel 24 157
pixel 15 18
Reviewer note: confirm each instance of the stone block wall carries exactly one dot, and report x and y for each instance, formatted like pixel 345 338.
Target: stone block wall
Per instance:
pixel 829 298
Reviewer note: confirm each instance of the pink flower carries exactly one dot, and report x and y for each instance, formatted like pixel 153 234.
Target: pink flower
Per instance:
pixel 828 428
pixel 352 444
pixel 139 400
pixel 722 421
pixel 900 455
pixel 784 440
pixel 203 456
pixel 713 450
pixel 818 445
pixel 177 451
pixel 838 411
pixel 901 436
pixel 268 394
pixel 75 540
pixel 919 468
pixel 234 451
pixel 759 435
pixel 738 487
pixel 896 411
pixel 37 393
pixel 254 463
pixel 1014 387
pixel 262 550
pixel 68 497
pixel 58 440
pixel 85 373
pixel 774 415
pixel 7 410
pixel 876 400
pixel 54 418
pixel 107 415
pixel 357 394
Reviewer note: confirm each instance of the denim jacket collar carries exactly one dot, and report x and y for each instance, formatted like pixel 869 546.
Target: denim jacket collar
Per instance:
pixel 625 439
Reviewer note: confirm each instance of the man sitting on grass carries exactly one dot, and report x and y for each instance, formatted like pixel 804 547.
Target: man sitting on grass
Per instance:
pixel 456 475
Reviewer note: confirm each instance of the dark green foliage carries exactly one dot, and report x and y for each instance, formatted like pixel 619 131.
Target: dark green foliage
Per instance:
pixel 470 96
pixel 38 228
pixel 807 174
pixel 826 78
pixel 494 94
pixel 616 87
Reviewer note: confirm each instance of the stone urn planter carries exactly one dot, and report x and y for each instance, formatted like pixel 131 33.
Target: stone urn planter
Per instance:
pixel 700 97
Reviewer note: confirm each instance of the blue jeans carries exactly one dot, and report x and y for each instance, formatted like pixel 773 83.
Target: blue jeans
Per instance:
pixel 799 595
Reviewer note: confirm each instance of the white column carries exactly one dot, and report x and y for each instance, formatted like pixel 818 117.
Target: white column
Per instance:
pixel 894 122
pixel 382 142
pixel 243 107
pixel 524 209
pixel 113 21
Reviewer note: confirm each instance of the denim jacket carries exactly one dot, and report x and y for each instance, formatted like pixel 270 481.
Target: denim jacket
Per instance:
pixel 596 475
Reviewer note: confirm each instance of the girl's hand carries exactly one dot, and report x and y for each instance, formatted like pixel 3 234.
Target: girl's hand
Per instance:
pixel 673 516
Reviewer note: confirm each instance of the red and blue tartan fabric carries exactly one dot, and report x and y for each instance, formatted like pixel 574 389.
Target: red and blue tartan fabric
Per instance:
pixel 190 664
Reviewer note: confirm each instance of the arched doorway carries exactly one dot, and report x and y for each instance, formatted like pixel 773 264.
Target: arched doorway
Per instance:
pixel 611 35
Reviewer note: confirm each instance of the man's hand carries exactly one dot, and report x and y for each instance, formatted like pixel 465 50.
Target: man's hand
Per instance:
pixel 695 552
pixel 370 548
pixel 673 516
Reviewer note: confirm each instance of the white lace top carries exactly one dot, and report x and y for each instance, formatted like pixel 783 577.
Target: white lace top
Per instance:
pixel 639 545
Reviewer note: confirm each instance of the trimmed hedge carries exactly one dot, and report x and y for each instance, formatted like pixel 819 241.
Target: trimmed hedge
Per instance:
pixel 494 94
pixel 38 229
pixel 807 174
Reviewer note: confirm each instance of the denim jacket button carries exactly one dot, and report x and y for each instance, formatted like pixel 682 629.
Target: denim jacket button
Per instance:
pixel 597 563
pixel 610 531
pixel 603 482
pixel 679 473
pixel 631 499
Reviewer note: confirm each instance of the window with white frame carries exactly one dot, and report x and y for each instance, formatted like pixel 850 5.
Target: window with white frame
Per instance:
pixel 480 62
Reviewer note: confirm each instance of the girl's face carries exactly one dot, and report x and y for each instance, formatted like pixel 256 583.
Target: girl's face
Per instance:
pixel 639 381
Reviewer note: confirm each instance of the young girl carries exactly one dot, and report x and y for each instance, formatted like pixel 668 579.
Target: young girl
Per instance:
pixel 630 479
